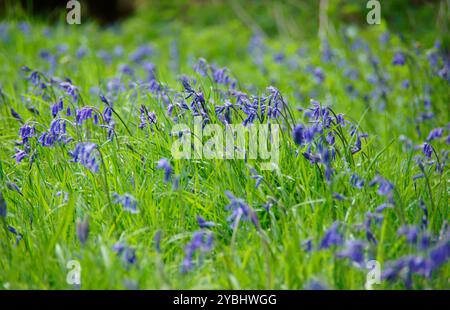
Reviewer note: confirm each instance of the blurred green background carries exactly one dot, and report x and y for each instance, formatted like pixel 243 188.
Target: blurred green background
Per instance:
pixel 298 19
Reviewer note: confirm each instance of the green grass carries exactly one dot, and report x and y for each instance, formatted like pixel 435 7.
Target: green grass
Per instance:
pixel 271 257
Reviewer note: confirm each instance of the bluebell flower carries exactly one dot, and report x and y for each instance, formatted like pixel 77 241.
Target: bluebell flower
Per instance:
pixel 319 75
pixel 440 254
pixel 425 241
pixel 435 134
pixel 20 155
pixel 369 217
pixel 81 52
pixel 384 186
pixel 57 107
pixel 87 154
pixel 107 114
pixel 3 209
pixel 141 53
pixel 32 109
pixel 382 207
pixel 201 241
pixel 354 250
pixel 279 57
pixel 338 196
pixel 84 114
pixel 14 231
pixel 357 181
pixel 147 118
pixel 70 89
pixel 313 158
pixel 220 75
pixel 157 241
pixel 164 164
pixel 16 115
pixel 315 285
pixel 332 237
pixel 240 210
pixel 203 223
pixel 35 78
pixel 126 69
pixel 410 232
pixel 13 187
pixel 201 67
pixel 298 134
pixel 424 221
pixel 307 245
pixel 128 202
pixel 330 138
pixel 399 59
pixel 56 133
pixel 254 175
pixel 427 150
pixel 83 230
pixel 418 176
pixel 26 132
pixel 127 253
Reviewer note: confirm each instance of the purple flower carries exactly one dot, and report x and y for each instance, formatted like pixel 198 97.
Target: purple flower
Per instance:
pixel 141 53
pixel 16 115
pixel 127 253
pixel 57 107
pixel 13 186
pixel 332 237
pixel 357 181
pixel 164 164
pixel 385 187
pixel 3 210
pixel 330 138
pixel 83 230
pixel 18 235
pixel 254 175
pixel 435 134
pixel 201 241
pixel 70 89
pixel 399 59
pixel 26 132
pixel 440 254
pixel 84 114
pixel 107 114
pixel 201 67
pixel 367 226
pixel 157 241
pixel 354 250
pixel 307 245
pixel 239 210
pixel 410 232
pixel 128 202
pixel 424 221
pixel 319 75
pixel 338 196
pixel 382 207
pixel 297 133
pixel 427 150
pixel 35 78
pixel 19 155
pixel 86 153
pixel 147 117
pixel 315 285
pixel 56 133
pixel 425 241
pixel 405 84
pixel 203 223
